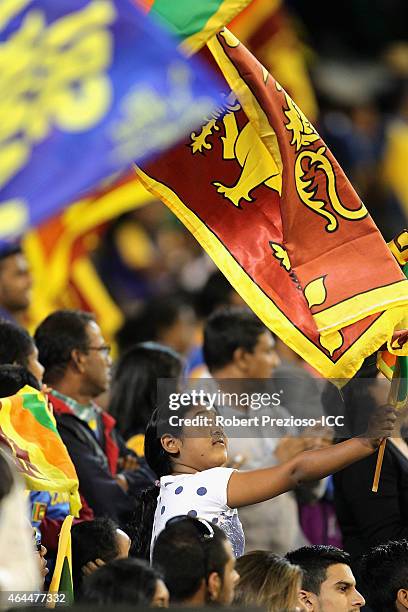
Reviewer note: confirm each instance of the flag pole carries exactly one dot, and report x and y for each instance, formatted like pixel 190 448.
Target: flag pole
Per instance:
pixel 380 458
pixel 393 399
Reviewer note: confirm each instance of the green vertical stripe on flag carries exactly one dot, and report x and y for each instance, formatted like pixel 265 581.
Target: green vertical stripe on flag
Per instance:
pixel 65 585
pixel 36 405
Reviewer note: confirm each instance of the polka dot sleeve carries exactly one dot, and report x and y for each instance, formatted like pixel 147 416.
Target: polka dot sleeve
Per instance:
pixel 213 485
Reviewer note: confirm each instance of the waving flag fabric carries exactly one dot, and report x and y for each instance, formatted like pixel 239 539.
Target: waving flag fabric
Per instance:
pixel 87 86
pixel 265 197
pixel 28 428
pixel 265 27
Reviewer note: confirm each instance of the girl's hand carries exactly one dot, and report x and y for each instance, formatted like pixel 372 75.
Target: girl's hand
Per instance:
pixel 380 426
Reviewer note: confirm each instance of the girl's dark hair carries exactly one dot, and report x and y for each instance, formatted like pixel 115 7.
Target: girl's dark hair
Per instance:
pixel 134 386
pixel 124 581
pixel 141 525
pixel 15 377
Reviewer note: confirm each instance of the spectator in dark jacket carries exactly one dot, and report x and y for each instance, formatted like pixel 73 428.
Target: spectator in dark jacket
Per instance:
pixel 77 368
pixel 368 519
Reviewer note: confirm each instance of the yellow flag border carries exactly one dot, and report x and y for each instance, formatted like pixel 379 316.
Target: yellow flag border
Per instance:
pixel 265 309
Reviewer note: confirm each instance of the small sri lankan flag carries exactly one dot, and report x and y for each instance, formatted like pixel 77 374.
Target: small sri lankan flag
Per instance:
pixel 28 429
pixel 62 578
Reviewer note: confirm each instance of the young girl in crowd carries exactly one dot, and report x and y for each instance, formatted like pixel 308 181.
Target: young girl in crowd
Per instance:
pixel 189 461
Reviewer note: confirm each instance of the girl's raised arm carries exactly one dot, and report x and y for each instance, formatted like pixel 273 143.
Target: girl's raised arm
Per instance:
pixel 245 488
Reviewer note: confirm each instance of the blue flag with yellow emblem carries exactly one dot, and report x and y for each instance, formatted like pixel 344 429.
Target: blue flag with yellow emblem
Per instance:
pixel 86 87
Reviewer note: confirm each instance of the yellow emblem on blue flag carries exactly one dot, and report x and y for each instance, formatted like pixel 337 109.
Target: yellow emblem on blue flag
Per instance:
pixel 87 87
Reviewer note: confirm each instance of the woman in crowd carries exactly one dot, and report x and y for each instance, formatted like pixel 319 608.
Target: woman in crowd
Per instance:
pixel 267 581
pixel 126 581
pixel 189 462
pixel 134 388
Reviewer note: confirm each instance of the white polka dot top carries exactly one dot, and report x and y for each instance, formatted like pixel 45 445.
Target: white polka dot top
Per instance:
pixel 203 494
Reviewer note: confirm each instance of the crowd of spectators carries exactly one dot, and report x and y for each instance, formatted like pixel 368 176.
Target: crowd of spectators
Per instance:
pixel 159 523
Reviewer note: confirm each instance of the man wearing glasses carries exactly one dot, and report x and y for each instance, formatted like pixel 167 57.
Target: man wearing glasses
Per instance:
pixel 77 368
pixel 197 562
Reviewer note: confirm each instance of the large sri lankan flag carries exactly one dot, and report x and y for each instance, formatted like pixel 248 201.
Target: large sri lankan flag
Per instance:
pixel 265 197
pixel 28 429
